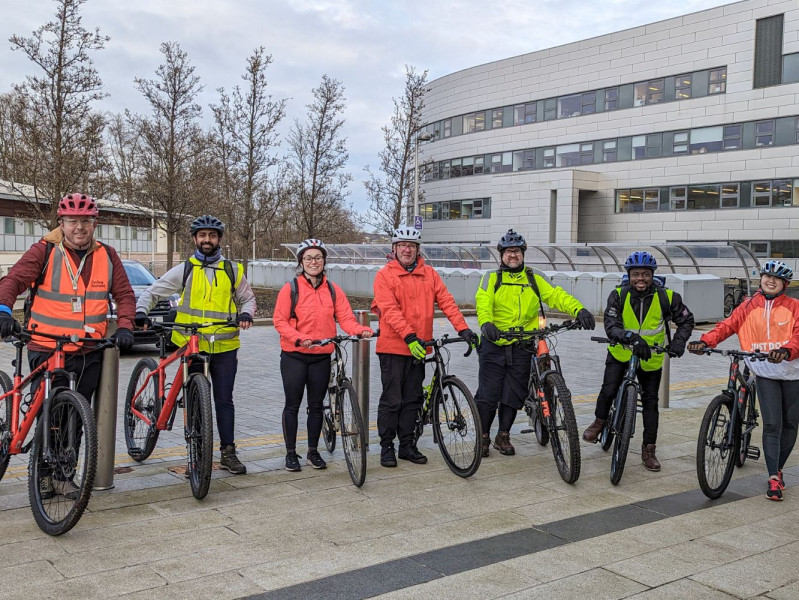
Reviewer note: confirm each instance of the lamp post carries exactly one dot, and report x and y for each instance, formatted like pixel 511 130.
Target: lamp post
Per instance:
pixel 422 137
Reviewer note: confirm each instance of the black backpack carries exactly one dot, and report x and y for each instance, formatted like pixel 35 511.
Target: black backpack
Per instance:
pixel 295 296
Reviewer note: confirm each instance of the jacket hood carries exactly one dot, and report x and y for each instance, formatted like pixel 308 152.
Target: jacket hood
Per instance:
pixel 56 236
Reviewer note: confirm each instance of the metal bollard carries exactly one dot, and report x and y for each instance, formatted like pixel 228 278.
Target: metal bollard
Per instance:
pixel 663 390
pixel 105 414
pixel 360 371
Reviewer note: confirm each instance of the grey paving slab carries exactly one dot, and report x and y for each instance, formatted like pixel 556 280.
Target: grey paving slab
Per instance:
pixel 597 584
pixel 601 522
pixel 684 588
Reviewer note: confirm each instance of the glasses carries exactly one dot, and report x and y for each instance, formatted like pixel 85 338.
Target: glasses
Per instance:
pixel 310 259
pixel 406 245
pixel 516 251
pixel 73 222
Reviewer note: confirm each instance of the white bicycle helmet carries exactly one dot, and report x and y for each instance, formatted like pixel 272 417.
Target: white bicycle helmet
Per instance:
pixel 311 243
pixel 406 234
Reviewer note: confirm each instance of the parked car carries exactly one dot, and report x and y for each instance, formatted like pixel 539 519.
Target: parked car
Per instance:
pixel 140 279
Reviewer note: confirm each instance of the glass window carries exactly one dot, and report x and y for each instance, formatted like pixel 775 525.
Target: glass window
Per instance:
pixel 717 83
pixel 677 198
pixel 466 209
pixel 628 201
pixel 507 162
pixel 703 196
pixel 764 133
pixel 455 167
pixel 447 127
pixel 639 146
pixel 761 193
pixel 569 106
pixel 550 109
pixel 782 192
pixel 587 153
pixel 478 165
pixel 496 163
pixel 609 151
pixel 639 93
pixel 611 98
pixel 651 200
pixel 454 209
pixel 790 68
pixel 445 169
pixel 134 233
pixel 682 84
pixel 648 92
pixel 467 167
pixel 486 208
pixel 524 113
pixel 30 228
pixel 654 145
pixel 588 103
pixel 477 209
pixel 445 210
pixel 10 226
pixel 496 118
pixel 730 195
pixel 680 143
pixel 732 137
pixel 706 139
pixel 760 249
pixel 524 160
pixel 568 155
pixel 549 157
pixel 118 233
pixel 797 130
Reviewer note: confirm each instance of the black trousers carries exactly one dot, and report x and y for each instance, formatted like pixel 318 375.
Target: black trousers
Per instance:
pixel 222 368
pixel 502 382
pixel 650 383
pixel 402 397
pixel 86 366
pixel 300 371
pixel 779 405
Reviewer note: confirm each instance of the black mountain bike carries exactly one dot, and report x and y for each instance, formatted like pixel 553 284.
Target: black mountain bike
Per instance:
pixel 620 424
pixel 549 402
pixel 342 413
pixel 736 296
pixel 449 406
pixel 725 436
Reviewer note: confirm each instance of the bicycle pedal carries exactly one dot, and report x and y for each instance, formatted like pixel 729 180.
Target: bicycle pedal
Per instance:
pixel 527 431
pixel 753 453
pixel 135 453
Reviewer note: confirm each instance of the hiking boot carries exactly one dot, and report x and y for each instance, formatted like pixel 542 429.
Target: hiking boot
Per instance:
pixel 774 491
pixel 66 488
pixel 293 462
pixel 313 459
pixel 591 434
pixel 231 462
pixel 413 455
pixel 781 480
pixel 648 457
pixel 486 444
pixel 502 443
pixel 387 457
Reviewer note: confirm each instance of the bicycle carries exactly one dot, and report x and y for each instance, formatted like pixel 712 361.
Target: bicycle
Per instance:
pixel 725 434
pixel 63 463
pixel 549 403
pixel 151 404
pixel 449 406
pixel 736 296
pixel 620 424
pixel 342 414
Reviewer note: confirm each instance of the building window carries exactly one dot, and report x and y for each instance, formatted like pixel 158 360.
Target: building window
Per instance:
pixel 455 167
pixel 479 161
pixel 445 169
pixel 574 155
pixel 648 92
pixel 651 200
pixel 454 209
pixel 507 162
pixel 569 106
pixel 730 195
pixel 682 84
pixel 524 160
pixel 717 83
pixel 609 151
pixel 629 201
pixel 790 68
pixel 760 249
pixel 524 113
pixel 706 139
pixel 612 98
pixel 761 193
pixel 782 192
pixel 496 163
pixel 680 143
pixel 639 146
pixel 10 226
pixel 30 227
pixel 764 133
pixel 797 130
pixel 549 157
pixel 117 233
pixel 589 103
pixel 703 197
pixel 678 198
pixel 550 109
pixel 474 122
pixel 447 126
pixel 732 137
pixel 496 118
pixel 467 167
pixel 654 145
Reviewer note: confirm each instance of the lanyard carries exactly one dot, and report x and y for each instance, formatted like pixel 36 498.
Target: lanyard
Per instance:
pixel 73 276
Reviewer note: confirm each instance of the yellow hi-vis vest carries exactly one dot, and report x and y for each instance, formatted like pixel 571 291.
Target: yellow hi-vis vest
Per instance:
pixel 653 330
pixel 203 300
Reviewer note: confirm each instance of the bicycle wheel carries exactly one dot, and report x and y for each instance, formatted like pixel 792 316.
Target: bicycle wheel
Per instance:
pixel 458 428
pixel 60 481
pixel 328 429
pixel 199 431
pixel 353 434
pixel 729 304
pixel 607 431
pixel 714 453
pixel 622 443
pixel 742 423
pixel 531 407
pixel 5 422
pixel 140 437
pixel 565 442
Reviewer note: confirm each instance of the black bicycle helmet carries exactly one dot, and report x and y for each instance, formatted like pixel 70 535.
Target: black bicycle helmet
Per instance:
pixel 511 240
pixel 207 222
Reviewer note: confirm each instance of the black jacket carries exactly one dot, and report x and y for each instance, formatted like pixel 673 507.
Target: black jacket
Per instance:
pixel 640 303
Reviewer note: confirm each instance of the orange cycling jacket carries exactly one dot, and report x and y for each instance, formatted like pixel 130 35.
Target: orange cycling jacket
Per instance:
pixel 316 316
pixel 404 304
pixel 763 325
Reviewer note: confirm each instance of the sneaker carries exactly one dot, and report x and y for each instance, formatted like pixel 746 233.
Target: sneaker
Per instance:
pixel 293 462
pixel 67 489
pixel 313 459
pixel 231 462
pixel 486 444
pixel 46 488
pixel 781 480
pixel 412 454
pixel 387 457
pixel 774 491
pixel 502 443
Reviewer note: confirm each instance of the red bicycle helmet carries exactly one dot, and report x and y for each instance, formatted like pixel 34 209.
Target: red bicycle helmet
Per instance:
pixel 77 205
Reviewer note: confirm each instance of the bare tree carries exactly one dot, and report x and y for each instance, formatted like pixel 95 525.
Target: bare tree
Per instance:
pixel 60 133
pixel 245 125
pixel 318 154
pixel 392 192
pixel 124 158
pixel 174 169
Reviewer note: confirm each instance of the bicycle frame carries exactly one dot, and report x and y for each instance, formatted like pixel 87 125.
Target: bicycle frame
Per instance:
pixel 435 389
pixel 741 389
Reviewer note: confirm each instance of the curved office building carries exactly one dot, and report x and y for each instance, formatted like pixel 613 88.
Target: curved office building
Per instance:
pixel 682 130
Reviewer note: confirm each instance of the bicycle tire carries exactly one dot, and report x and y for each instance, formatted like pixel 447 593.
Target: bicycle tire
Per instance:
pixel 458 428
pixel 714 458
pixel 565 442
pixel 729 305
pixel 328 430
pixel 199 433
pixel 744 440
pixel 606 435
pixel 532 408
pixel 73 458
pixel 621 445
pixel 141 438
pixel 353 434
pixel 5 423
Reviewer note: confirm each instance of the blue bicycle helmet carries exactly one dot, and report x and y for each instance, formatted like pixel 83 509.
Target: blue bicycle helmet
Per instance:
pixel 640 260
pixel 777 268
pixel 511 240
pixel 207 222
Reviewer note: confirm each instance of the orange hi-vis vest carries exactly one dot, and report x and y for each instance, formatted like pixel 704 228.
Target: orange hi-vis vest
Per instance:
pixel 61 309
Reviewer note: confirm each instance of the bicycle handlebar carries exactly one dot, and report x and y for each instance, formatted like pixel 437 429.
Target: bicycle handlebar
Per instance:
pixel 25 336
pixel 736 353
pixel 443 341
pixel 337 339
pixel 604 340
pixel 193 327
pixel 519 333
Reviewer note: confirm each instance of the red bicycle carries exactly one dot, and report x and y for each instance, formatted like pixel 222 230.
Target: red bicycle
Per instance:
pixel 63 450
pixel 151 404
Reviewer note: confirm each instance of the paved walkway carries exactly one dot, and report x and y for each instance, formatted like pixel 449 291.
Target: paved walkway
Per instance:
pixel 513 530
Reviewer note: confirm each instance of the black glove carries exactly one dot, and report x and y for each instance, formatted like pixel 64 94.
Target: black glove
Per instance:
pixel 470 337
pixel 490 331
pixel 676 348
pixel 639 346
pixel 243 318
pixel 779 355
pixel 585 319
pixel 142 320
pixel 8 324
pixel 697 347
pixel 123 338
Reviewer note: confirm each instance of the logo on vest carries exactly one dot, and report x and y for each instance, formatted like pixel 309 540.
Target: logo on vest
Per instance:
pixel 97 283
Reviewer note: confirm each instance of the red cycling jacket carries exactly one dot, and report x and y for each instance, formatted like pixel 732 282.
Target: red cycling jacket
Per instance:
pixel 316 316
pixel 404 303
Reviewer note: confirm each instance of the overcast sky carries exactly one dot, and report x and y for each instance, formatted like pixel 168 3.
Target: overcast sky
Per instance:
pixel 365 44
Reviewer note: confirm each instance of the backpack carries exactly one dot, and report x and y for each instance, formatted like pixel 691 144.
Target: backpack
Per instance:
pixel 295 296
pixel 665 305
pixel 35 287
pixel 531 282
pixel 230 271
